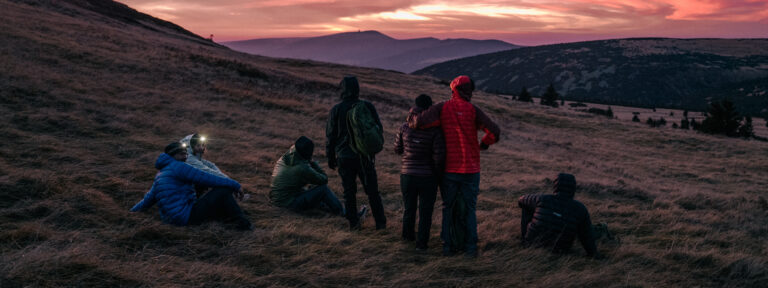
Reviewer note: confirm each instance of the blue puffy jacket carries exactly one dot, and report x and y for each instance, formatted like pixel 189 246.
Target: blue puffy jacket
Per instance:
pixel 174 190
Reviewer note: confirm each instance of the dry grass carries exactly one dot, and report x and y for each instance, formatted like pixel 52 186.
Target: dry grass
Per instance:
pixel 88 103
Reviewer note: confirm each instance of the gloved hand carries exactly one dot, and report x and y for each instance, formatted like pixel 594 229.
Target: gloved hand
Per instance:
pixel 332 163
pixel 483 146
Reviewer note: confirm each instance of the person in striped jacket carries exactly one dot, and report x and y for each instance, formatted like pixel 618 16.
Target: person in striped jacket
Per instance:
pixel 460 122
pixel 423 158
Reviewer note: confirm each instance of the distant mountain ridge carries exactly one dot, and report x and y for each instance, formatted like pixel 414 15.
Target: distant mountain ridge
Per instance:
pixel 649 72
pixel 371 49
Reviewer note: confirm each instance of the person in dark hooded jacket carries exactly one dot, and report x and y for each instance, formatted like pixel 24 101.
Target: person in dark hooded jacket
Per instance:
pixel 295 170
pixel 351 165
pixel 174 192
pixel 556 220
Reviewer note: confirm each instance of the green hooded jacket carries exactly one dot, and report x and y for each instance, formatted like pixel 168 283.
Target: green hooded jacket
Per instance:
pixel 290 175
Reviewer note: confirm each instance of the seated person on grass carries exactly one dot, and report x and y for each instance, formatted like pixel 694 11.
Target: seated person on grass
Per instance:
pixel 295 170
pixel 174 193
pixel 554 221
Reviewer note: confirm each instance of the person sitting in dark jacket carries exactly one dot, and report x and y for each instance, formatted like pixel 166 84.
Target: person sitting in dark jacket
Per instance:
pixel 174 192
pixel 554 221
pixel 295 170
pixel 423 159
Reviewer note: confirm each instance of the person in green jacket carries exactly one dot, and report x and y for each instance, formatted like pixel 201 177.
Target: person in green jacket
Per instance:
pixel 299 184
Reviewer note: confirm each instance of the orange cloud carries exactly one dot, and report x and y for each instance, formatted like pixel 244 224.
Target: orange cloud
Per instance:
pixel 503 19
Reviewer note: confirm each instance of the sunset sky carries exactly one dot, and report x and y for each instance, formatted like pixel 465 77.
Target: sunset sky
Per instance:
pixel 524 22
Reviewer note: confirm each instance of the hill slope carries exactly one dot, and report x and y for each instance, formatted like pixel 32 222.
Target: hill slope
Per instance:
pixel 370 49
pixel 675 73
pixel 88 102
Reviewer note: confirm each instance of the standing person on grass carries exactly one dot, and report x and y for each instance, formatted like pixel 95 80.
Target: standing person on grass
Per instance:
pixel 353 137
pixel 423 157
pixel 460 122
pixel 173 191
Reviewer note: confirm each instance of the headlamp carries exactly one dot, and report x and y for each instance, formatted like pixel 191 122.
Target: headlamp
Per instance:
pixel 202 138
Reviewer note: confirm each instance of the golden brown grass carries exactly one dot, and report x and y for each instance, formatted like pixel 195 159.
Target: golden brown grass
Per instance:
pixel 89 102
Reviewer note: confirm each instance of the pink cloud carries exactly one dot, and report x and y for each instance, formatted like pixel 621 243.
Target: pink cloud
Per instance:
pixel 517 21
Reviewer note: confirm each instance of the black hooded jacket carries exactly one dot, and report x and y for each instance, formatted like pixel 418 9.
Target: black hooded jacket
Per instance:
pixel 336 130
pixel 557 219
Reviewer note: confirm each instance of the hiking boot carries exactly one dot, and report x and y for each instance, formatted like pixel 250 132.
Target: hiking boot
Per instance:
pixel 448 252
pixel 243 224
pixel 470 254
pixel 361 214
pixel 360 218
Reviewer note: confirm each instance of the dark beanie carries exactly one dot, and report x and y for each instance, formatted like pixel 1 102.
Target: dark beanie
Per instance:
pixel 304 147
pixel 565 184
pixel 423 101
pixel 174 148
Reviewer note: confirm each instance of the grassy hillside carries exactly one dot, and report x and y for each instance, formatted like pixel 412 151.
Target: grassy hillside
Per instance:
pixel 89 100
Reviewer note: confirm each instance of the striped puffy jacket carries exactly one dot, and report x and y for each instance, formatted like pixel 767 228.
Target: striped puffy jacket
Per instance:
pixel 460 121
pixel 174 189
pixel 423 150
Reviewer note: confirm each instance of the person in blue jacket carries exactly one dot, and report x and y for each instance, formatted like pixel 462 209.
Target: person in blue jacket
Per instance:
pixel 174 193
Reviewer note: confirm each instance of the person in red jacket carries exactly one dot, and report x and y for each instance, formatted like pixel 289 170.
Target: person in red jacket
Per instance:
pixel 460 121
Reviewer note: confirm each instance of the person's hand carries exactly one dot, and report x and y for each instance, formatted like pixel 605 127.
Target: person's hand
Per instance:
pixel 239 194
pixel 483 146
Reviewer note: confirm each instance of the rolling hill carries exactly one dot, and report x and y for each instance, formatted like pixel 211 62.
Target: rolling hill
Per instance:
pixel 91 91
pixel 651 72
pixel 370 49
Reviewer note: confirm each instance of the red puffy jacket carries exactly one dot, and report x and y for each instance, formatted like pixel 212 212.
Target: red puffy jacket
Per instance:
pixel 460 121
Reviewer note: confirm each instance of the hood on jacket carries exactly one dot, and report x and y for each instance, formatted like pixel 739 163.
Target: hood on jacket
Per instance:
pixel 350 89
pixel 462 87
pixel 292 157
pixel 163 160
pixel 565 185
pixel 304 147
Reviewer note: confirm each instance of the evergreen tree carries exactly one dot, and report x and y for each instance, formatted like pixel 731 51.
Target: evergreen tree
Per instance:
pixel 662 122
pixel 525 96
pixel 685 113
pixel 635 118
pixel 650 122
pixel 674 125
pixel 722 118
pixel 549 98
pixel 609 113
pixel 695 125
pixel 684 124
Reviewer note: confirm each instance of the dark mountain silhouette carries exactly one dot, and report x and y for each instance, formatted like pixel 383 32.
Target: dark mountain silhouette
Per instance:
pixel 675 73
pixel 371 49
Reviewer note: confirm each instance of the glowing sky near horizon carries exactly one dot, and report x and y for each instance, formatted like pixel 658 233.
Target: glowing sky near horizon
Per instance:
pixel 525 22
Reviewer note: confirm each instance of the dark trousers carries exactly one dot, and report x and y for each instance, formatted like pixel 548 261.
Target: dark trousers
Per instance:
pixel 466 186
pixel 217 205
pixel 421 190
pixel 317 197
pixel 350 169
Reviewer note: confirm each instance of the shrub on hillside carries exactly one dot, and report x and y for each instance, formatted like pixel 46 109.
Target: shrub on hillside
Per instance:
pixel 549 98
pixel 607 113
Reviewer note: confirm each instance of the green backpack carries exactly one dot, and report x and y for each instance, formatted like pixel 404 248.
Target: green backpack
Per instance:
pixel 366 135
